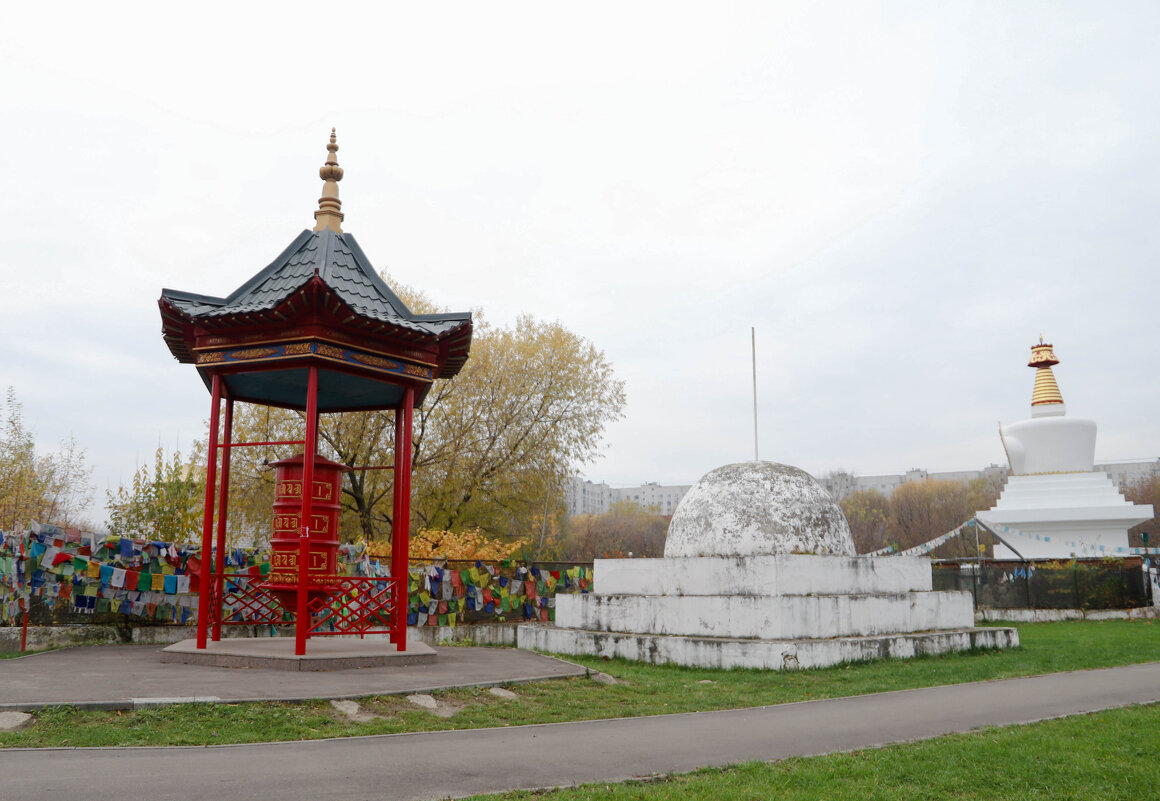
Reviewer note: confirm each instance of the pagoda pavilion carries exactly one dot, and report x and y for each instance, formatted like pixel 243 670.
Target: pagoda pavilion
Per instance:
pixel 319 331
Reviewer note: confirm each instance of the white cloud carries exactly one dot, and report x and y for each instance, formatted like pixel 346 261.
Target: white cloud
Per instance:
pixel 900 197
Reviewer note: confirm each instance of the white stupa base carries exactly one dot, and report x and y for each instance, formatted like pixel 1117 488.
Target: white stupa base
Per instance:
pixel 767 617
pixel 770 612
pixel 1063 515
pixel 776 574
pixel 1045 541
pixel 718 652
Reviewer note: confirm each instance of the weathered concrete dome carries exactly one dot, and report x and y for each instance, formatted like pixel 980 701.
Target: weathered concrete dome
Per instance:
pixel 758 508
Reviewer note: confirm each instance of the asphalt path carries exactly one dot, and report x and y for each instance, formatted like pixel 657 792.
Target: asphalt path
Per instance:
pixel 454 764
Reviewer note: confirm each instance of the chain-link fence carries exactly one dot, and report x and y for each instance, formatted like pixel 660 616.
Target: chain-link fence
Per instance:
pixel 1081 585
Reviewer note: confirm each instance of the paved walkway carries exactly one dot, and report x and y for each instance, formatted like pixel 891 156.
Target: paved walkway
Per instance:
pixel 453 764
pixel 128 676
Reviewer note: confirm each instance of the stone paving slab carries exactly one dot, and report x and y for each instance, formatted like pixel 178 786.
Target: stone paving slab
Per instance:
pixel 130 676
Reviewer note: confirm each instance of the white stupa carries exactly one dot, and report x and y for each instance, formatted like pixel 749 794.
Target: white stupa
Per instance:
pixel 760 571
pixel 1055 506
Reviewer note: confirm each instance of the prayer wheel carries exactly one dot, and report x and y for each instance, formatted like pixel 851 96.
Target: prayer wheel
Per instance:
pixel 325 510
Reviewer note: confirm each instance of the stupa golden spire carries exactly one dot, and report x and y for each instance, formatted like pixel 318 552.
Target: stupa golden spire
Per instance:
pixel 1046 392
pixel 329 214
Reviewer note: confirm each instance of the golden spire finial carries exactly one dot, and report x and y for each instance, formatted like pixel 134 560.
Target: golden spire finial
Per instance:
pixel 329 214
pixel 1046 398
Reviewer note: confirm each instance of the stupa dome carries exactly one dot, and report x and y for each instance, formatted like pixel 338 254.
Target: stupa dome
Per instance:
pixel 755 509
pixel 1049 442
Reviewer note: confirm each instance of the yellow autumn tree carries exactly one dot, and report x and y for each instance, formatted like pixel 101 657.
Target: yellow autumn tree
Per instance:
pixel 868 513
pixel 922 510
pixel 1145 490
pixel 470 544
pixel 491 447
pixel 40 487
pixel 625 529
pixel 163 503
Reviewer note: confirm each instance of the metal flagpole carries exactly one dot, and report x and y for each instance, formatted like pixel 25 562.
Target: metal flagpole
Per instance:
pixel 753 350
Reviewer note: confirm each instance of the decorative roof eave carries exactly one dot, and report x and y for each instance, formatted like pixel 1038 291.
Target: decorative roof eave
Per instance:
pixel 314 297
pixel 311 305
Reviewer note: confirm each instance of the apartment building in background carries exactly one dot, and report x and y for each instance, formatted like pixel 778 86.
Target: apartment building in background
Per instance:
pixel 1123 474
pixel 589 498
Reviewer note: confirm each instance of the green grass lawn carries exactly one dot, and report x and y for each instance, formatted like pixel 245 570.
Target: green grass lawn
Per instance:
pixel 642 690
pixel 1108 755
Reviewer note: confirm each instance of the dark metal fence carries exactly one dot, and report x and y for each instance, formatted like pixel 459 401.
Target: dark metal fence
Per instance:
pixel 1081 585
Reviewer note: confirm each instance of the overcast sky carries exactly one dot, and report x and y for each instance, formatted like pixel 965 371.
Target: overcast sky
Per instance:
pixel 899 197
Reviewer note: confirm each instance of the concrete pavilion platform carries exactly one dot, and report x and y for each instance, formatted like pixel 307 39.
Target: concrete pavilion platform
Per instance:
pixel 277 653
pixel 134 677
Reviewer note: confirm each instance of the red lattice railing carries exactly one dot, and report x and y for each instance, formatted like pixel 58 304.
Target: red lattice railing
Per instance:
pixel 358 605
pixel 239 601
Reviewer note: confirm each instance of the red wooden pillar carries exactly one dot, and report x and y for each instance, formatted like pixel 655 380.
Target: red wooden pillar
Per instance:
pixel 401 519
pixel 205 592
pixel 223 511
pixel 24 594
pixel 302 613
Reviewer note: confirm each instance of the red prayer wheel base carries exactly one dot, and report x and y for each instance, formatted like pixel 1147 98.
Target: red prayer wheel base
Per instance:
pixel 321 520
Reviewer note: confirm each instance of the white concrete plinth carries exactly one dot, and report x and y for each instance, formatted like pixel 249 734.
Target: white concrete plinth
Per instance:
pixel 1060 515
pixel 780 574
pixel 766 611
pixel 770 617
pixel 716 652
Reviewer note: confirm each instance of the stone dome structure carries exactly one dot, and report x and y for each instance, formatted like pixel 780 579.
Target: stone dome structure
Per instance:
pixel 758 509
pixel 760 572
